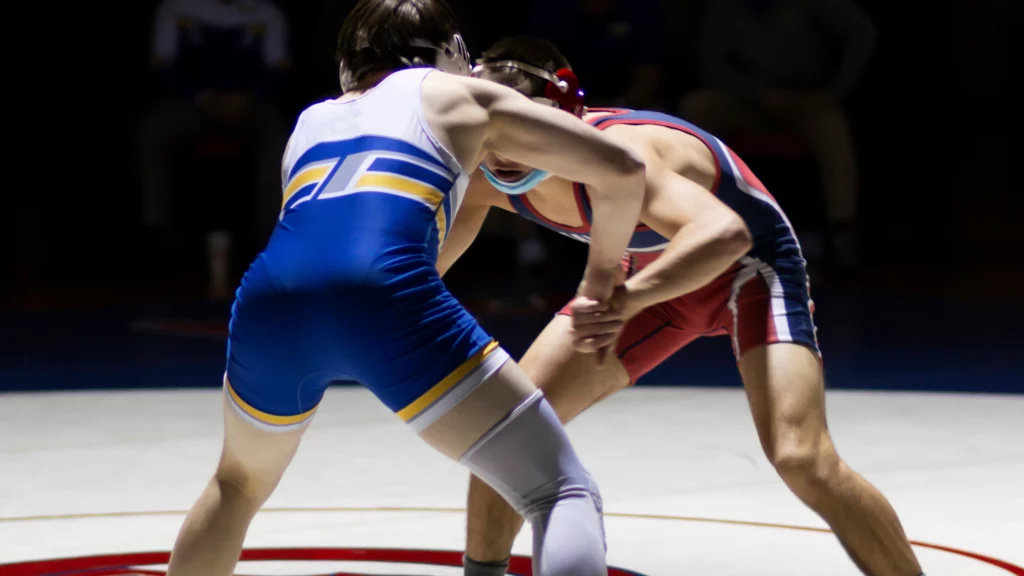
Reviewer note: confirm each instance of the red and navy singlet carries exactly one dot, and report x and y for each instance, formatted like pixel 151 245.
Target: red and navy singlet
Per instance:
pixel 735 185
pixel 763 299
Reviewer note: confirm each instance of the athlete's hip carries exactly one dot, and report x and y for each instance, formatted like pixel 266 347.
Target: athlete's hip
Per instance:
pixel 393 327
pixel 702 311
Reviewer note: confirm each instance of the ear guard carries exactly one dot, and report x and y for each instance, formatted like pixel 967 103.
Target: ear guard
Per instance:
pixel 452 56
pixel 562 90
pixel 566 92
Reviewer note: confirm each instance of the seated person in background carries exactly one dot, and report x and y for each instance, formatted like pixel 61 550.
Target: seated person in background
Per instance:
pixel 786 65
pixel 220 62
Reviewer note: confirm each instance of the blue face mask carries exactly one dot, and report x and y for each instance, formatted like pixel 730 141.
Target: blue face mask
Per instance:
pixel 521 186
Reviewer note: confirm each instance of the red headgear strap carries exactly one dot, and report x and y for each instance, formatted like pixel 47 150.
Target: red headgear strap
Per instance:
pixel 566 92
pixel 562 89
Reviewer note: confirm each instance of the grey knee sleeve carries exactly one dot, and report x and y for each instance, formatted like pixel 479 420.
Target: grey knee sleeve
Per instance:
pixel 529 460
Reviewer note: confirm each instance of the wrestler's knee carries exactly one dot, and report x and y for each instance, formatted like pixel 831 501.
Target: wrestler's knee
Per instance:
pixel 532 482
pixel 241 484
pixel 806 461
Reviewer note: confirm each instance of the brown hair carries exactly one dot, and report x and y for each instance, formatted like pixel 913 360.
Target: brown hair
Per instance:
pixel 377 35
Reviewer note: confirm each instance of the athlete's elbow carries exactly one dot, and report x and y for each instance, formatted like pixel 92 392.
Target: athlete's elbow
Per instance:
pixel 623 171
pixel 630 165
pixel 733 236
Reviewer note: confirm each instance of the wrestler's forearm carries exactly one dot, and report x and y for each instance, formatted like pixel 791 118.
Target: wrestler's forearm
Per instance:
pixel 615 212
pixel 697 254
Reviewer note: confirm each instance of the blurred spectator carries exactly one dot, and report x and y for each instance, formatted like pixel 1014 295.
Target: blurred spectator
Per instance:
pixel 220 63
pixel 614 46
pixel 785 66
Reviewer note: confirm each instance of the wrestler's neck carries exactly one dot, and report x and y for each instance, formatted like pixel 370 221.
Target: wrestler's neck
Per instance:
pixel 556 184
pixel 364 86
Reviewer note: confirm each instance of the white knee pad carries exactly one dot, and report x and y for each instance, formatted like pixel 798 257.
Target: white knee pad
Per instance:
pixel 528 459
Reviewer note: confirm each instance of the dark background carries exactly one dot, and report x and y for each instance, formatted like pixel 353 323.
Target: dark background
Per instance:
pixel 934 118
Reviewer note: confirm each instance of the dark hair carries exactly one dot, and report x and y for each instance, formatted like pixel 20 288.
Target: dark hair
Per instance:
pixel 531 50
pixel 377 35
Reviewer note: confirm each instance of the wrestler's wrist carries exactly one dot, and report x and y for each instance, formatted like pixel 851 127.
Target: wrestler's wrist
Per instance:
pixel 640 293
pixel 600 283
pixel 606 274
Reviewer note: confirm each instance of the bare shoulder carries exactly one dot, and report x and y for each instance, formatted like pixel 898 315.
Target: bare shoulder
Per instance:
pixel 445 94
pixel 669 149
pixel 452 111
pixel 445 91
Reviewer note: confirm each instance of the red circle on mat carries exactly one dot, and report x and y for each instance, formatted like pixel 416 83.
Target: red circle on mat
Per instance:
pixel 122 564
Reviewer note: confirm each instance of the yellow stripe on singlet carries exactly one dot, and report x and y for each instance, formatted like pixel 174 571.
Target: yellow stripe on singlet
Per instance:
pixel 303 179
pixel 442 224
pixel 449 382
pixel 402 185
pixel 263 416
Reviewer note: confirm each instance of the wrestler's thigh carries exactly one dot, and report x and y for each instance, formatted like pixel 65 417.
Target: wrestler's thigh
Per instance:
pixel 571 381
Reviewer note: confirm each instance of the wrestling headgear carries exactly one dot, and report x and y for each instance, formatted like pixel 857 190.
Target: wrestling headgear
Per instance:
pixel 562 90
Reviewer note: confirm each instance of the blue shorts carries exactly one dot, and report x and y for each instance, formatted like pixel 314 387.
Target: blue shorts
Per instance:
pixel 349 291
